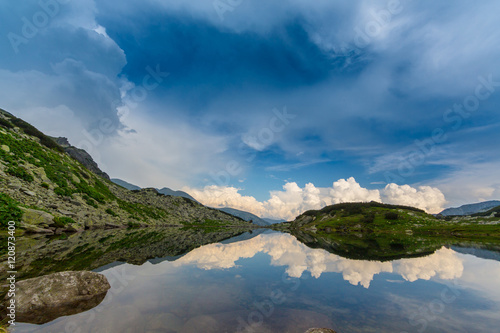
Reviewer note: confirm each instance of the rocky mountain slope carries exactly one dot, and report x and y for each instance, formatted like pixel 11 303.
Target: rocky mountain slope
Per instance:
pixel 81 156
pixel 471 208
pixel 245 216
pixel 46 190
pixel 165 190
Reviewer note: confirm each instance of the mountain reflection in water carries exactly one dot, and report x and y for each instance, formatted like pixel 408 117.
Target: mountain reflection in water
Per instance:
pixel 298 258
pixel 272 282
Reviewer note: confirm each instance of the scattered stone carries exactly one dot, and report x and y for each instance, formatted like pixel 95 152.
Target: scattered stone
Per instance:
pixel 75 178
pixel 33 216
pixel 6 148
pixel 109 225
pixel 15 184
pixel 40 172
pixel 66 212
pixel 72 228
pixel 59 231
pixel 32 229
pixel 28 192
pixel 43 299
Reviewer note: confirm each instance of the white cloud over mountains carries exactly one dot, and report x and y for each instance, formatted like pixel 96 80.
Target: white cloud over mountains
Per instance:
pixel 294 200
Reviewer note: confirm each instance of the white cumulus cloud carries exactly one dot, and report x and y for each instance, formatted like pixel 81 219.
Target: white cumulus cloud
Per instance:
pixel 430 199
pixel 294 200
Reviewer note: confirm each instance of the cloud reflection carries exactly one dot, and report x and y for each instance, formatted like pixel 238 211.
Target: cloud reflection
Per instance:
pixel 285 250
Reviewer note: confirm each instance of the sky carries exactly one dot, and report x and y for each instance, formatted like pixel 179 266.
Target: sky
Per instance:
pixel 273 107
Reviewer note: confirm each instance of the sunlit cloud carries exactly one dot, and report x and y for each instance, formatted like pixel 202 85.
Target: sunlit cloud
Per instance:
pixel 294 200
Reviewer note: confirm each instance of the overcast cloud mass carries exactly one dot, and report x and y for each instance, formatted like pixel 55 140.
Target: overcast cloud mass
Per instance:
pixel 274 107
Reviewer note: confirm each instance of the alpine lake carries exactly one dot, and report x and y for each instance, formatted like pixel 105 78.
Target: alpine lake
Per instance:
pixel 231 280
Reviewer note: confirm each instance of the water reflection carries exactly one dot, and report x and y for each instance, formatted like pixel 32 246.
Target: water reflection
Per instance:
pixel 298 258
pixel 229 287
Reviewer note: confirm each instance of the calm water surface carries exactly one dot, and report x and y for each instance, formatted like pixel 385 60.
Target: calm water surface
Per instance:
pixel 274 283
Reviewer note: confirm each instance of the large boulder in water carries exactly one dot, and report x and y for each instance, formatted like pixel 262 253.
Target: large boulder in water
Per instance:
pixel 45 298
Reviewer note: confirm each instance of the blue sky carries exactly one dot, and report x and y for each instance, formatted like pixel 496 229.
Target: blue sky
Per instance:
pixel 233 100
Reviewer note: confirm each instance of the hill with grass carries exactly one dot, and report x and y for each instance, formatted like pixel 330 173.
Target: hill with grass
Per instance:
pixel 45 189
pixel 385 232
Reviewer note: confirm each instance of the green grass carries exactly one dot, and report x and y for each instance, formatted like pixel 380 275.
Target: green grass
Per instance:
pixel 19 172
pixel 62 221
pixel 111 212
pixel 9 210
pixel 141 212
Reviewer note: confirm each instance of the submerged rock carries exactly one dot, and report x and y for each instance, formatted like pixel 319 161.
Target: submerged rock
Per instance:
pixel 45 298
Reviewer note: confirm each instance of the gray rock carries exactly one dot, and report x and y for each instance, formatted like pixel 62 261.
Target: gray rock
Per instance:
pixel 28 192
pixel 66 212
pixel 320 330
pixel 45 298
pixel 109 225
pixel 32 229
pixel 15 184
pixel 72 228
pixel 33 216
pixel 76 202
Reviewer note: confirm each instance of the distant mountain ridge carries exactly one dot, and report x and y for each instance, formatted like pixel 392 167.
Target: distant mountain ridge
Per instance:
pixel 245 216
pixel 235 212
pixel 273 221
pixel 125 184
pixel 165 190
pixel 470 209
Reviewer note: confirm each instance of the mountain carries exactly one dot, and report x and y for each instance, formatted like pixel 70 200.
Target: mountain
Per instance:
pixel 125 184
pixel 81 156
pixel 471 208
pixel 495 211
pixel 245 216
pixel 273 221
pixel 173 193
pixel 165 190
pixel 46 188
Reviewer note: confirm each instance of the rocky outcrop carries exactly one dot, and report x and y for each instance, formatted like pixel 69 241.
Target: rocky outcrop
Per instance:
pixel 320 330
pixel 81 156
pixel 43 299
pixel 36 217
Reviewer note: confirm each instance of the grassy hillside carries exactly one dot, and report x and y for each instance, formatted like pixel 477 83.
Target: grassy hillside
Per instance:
pixel 42 187
pixel 378 231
